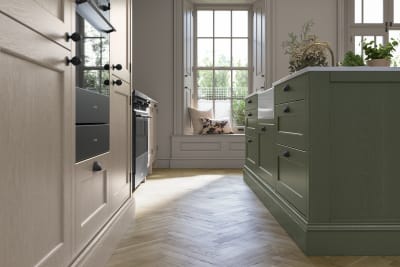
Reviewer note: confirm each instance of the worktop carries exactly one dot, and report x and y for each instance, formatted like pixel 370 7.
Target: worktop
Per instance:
pixel 326 164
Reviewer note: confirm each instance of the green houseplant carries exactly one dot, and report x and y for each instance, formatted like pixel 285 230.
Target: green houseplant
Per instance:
pixel 379 55
pixel 352 60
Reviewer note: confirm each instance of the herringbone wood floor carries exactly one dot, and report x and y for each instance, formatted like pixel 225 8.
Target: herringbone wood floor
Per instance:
pixel 196 218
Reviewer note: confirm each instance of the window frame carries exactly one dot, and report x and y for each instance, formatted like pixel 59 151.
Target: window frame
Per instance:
pixel 213 68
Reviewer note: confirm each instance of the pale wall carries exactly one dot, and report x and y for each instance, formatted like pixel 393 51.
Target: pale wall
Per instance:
pixel 153 50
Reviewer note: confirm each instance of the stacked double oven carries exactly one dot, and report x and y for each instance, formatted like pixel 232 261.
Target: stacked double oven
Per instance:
pixel 92 78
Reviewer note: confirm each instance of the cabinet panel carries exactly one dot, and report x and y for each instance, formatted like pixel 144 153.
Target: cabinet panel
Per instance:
pixel 292 90
pixel 36 157
pixel 291 124
pixel 120 43
pixel 120 144
pixel 251 152
pixel 292 181
pixel 266 154
pixel 92 206
pixel 51 18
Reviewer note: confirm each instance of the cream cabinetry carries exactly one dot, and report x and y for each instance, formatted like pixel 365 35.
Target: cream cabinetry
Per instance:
pixel 36 140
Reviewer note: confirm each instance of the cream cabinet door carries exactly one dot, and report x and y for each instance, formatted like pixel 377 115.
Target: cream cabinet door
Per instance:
pixel 36 155
pixel 120 143
pixel 120 40
pixel 52 18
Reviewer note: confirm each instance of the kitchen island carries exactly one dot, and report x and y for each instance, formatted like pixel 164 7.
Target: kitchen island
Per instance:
pixel 326 164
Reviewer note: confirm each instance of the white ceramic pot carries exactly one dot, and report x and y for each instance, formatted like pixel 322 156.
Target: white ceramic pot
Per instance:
pixel 381 62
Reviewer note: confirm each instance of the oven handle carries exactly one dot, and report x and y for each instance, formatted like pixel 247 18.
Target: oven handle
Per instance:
pixel 142 116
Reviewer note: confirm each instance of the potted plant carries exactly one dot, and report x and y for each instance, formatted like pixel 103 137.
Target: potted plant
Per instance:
pixel 379 55
pixel 352 60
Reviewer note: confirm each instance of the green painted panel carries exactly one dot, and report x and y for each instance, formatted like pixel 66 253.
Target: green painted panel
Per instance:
pixel 251 118
pixel 292 177
pixel 291 90
pixel 291 124
pixel 267 160
pixel 251 102
pixel 251 152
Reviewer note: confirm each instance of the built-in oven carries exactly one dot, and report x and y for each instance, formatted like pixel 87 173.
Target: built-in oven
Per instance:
pixel 141 138
pixel 92 62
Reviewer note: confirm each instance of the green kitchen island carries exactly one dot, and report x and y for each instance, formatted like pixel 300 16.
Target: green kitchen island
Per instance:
pixel 323 155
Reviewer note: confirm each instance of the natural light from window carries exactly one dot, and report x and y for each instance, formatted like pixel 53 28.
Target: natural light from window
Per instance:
pixel 222 63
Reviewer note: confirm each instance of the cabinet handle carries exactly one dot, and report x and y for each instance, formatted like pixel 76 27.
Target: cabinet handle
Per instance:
pixel 287 109
pixel 117 67
pixel 76 37
pixel 286 154
pixel 249 114
pixel 97 167
pixel 264 129
pixel 249 101
pixel 117 82
pixel 286 88
pixel 249 141
pixel 74 61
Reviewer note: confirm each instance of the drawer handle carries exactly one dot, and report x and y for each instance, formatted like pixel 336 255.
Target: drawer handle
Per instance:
pixel 286 88
pixel 286 154
pixel 249 141
pixel 97 167
pixel 117 82
pixel 287 109
pixel 249 101
pixel 264 129
pixel 250 114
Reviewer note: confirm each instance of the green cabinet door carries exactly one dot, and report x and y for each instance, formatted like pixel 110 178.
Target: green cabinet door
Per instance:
pixel 267 161
pixel 251 152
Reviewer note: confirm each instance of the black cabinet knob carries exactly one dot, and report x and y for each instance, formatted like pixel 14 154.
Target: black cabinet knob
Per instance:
pixel 286 88
pixel 97 167
pixel 286 154
pixel 117 67
pixel 76 37
pixel 107 82
pixel 117 82
pixel 249 114
pixel 287 109
pixel 249 101
pixel 74 61
pixel 105 7
pixel 249 141
pixel 106 67
pixel 264 129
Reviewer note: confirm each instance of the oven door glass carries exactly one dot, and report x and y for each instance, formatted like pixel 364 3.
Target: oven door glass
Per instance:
pixel 94 50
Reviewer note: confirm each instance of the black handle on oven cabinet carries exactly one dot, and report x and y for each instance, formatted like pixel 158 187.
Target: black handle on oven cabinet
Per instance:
pixel 97 167
pixel 74 61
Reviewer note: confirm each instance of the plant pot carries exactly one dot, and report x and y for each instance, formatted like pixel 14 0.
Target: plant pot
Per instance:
pixel 380 62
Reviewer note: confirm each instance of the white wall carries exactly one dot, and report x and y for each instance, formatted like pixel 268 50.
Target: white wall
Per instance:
pixel 290 15
pixel 153 63
pixel 153 42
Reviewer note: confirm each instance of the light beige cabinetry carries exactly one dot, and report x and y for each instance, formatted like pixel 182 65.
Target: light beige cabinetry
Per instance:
pixel 259 45
pixel 153 147
pixel 36 136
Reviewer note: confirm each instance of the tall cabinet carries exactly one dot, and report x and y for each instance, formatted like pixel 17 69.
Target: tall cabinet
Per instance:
pixel 54 212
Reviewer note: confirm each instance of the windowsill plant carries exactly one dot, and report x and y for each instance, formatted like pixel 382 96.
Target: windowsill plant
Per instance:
pixel 379 55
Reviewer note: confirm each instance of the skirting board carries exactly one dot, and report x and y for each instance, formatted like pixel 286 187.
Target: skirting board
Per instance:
pixel 97 253
pixel 328 239
pixel 207 163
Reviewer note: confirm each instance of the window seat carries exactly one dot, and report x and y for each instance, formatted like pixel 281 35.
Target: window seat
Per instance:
pixel 208 151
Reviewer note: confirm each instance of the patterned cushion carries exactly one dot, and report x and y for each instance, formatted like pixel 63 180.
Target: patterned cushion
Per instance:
pixel 211 126
pixel 195 116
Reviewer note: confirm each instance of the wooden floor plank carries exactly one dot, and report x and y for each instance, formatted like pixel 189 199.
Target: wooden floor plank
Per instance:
pixel 205 218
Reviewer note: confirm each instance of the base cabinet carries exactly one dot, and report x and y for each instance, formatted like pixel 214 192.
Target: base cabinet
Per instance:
pixel 326 167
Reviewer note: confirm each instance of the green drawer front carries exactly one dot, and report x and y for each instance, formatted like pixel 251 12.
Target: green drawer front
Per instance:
pixel 292 183
pixel 251 118
pixel 291 90
pixel 251 152
pixel 251 131
pixel 291 124
pixel 266 154
pixel 251 102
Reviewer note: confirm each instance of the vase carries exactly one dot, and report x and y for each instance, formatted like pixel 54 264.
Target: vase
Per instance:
pixel 380 62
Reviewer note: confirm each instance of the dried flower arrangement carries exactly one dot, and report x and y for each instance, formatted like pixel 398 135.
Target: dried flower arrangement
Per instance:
pixel 302 53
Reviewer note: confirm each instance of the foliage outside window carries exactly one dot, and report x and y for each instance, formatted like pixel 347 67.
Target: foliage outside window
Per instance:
pixel 222 67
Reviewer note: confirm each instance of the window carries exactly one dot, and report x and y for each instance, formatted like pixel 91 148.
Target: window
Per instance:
pixel 222 63
pixel 374 20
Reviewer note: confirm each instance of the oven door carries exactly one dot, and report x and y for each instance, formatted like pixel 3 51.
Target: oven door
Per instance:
pixel 141 147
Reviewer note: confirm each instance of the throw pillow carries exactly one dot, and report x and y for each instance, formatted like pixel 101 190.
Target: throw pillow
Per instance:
pixel 214 126
pixel 195 116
